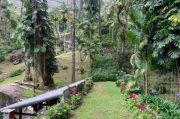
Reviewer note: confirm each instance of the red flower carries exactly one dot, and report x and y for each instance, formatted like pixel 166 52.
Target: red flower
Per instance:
pixel 141 106
pixel 133 96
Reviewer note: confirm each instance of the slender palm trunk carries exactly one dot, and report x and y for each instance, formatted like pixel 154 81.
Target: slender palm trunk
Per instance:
pixel 21 15
pixel 57 32
pixel 122 11
pixel 99 15
pixel 81 16
pixel 73 41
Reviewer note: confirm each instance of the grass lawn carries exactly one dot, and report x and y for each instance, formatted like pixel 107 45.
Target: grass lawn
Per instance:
pixel 104 102
pixel 61 79
pixel 64 76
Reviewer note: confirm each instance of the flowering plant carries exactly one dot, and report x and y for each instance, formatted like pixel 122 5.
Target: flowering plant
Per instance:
pixel 133 96
pixel 141 106
pixel 74 100
pixel 178 94
pixel 72 90
pixel 138 107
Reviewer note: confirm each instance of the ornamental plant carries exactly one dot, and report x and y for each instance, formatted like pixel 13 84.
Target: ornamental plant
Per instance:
pixel 87 86
pixel 133 96
pixel 58 111
pixel 72 90
pixel 74 100
pixel 141 106
pixel 165 109
pixel 138 107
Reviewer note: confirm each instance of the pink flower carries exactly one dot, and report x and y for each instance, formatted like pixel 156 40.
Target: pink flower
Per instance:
pixel 141 106
pixel 133 96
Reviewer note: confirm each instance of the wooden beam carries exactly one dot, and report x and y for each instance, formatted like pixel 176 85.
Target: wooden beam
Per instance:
pixel 20 113
pixel 26 114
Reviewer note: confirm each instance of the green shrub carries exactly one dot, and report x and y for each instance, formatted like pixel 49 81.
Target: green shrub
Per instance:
pixel 64 67
pixel 80 87
pixel 2 57
pixel 104 62
pixel 74 100
pixel 120 74
pixel 104 68
pixel 103 75
pixel 121 84
pixel 82 70
pixel 9 49
pixel 165 109
pixel 88 85
pixel 58 111
pixel 17 72
pixel 4 49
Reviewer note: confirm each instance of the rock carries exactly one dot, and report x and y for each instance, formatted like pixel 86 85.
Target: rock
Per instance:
pixel 11 58
pixel 9 94
pixel 16 57
pixel 4 100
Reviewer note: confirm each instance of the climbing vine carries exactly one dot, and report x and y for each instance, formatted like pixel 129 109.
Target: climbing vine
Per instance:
pixel 36 35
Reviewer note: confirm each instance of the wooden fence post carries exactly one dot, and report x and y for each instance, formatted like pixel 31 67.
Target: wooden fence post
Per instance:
pixel 8 114
pixel 20 113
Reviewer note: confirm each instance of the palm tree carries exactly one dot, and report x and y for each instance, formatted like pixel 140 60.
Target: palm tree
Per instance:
pixel 73 40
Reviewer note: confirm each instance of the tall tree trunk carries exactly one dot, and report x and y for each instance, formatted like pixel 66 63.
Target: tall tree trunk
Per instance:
pixel 73 41
pixel 20 18
pixel 81 7
pixel 0 12
pixel 57 32
pixel 81 16
pixel 27 73
pixel 99 15
pixel 122 11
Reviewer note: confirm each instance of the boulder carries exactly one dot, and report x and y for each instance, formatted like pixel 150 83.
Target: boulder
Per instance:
pixel 9 94
pixel 16 57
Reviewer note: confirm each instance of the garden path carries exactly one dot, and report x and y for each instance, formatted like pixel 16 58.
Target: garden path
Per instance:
pixel 103 102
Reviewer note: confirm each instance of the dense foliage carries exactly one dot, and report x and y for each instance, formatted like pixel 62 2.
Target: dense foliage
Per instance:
pixel 165 109
pixel 126 41
pixel 162 33
pixel 8 23
pixel 104 68
pixel 58 111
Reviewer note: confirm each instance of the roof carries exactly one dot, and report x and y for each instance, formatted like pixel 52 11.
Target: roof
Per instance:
pixel 41 98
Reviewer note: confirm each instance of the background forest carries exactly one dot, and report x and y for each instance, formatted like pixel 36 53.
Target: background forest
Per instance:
pixel 135 43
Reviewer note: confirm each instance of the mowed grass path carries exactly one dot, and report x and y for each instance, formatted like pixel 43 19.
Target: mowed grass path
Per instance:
pixel 103 102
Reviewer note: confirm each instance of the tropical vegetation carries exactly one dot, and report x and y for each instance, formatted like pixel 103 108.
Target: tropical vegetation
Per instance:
pixel 133 43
